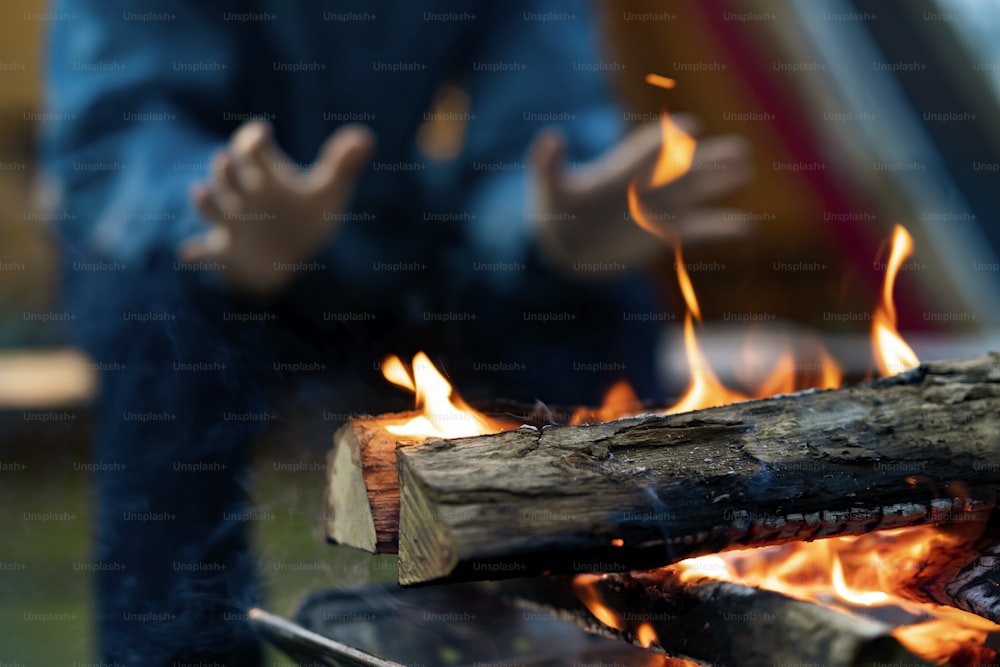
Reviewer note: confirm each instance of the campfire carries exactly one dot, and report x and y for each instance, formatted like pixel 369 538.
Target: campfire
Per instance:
pixel 930 588
pixel 798 518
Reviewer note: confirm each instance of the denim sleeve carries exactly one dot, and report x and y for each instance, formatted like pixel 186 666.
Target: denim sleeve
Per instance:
pixel 137 94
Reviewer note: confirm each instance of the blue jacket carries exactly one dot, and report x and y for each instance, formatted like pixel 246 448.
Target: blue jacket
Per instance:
pixel 141 93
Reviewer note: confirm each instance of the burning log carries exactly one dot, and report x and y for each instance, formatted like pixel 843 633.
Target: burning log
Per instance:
pixel 646 491
pixel 975 587
pixel 362 491
pixel 964 574
pixel 712 622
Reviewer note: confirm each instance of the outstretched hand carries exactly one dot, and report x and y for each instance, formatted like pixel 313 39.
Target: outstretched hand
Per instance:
pixel 266 215
pixel 582 212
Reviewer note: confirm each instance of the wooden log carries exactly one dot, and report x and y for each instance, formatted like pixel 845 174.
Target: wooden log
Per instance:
pixel 975 587
pixel 916 448
pixel 362 465
pixel 713 622
pixel 964 574
pixel 362 491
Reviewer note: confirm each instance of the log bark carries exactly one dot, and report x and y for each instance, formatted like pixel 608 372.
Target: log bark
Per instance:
pixel 916 448
pixel 715 622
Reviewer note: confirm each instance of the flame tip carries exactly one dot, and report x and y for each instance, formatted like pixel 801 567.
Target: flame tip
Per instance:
pixel 892 354
pixel 443 413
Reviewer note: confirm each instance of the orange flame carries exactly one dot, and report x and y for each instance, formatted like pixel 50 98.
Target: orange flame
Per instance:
pixel 676 153
pixel 687 289
pixel 781 380
pixel 395 372
pixel 646 635
pixel 675 158
pixel 830 376
pixel 619 401
pixel 705 390
pixel 786 377
pixel 863 571
pixel 444 413
pixel 892 354
pixel 640 218
pixel 583 586
pixel 586 589
pixel 947 637
pixel 676 146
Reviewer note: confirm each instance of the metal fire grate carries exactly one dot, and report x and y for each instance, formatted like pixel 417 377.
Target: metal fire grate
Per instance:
pixel 461 625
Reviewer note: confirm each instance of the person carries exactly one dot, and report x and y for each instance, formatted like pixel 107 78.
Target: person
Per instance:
pixel 244 215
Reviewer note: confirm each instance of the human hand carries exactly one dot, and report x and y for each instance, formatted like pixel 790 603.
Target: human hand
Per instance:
pixel 266 215
pixel 582 213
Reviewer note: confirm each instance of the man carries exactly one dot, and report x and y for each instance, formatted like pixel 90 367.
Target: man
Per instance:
pixel 234 268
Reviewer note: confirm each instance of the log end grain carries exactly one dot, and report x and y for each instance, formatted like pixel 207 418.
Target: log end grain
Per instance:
pixel 348 513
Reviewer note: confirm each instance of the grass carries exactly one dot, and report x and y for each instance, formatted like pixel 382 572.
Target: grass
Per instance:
pixel 46 593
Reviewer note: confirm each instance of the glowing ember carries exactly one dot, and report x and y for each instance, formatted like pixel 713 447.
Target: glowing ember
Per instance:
pixel 444 413
pixel 848 572
pixel 660 81
pixel 892 354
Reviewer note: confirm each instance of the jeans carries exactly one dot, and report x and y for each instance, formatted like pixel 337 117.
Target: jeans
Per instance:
pixel 190 379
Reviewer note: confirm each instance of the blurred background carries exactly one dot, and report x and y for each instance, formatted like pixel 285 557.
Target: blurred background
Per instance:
pixel 861 113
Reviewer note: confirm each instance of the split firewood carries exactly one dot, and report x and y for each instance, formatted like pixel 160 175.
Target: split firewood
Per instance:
pixel 362 465
pixel 713 622
pixel 362 491
pixel 915 448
